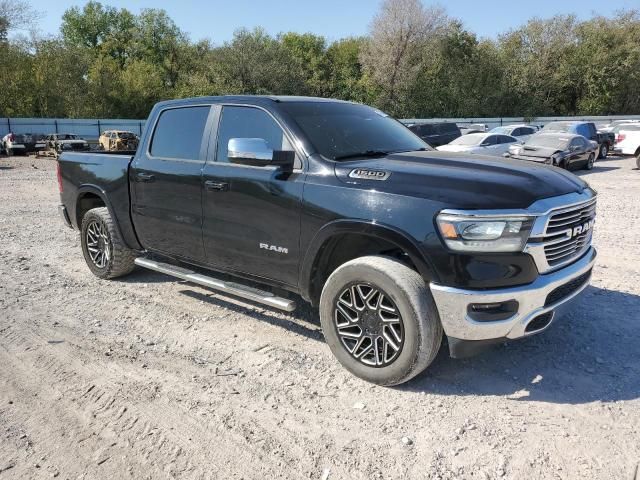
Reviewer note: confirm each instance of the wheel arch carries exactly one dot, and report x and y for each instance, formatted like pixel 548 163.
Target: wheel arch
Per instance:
pixel 343 240
pixel 92 196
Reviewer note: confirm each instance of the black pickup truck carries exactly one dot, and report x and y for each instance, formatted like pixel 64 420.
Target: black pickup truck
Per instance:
pixel 341 205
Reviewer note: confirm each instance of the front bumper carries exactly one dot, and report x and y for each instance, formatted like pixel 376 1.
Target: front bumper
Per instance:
pixel 535 310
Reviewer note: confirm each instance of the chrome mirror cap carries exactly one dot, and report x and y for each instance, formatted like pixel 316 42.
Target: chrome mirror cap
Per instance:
pixel 252 149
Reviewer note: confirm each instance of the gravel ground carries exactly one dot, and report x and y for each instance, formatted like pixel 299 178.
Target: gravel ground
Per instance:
pixel 147 377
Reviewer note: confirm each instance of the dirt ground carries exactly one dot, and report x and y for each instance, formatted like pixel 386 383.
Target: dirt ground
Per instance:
pixel 151 378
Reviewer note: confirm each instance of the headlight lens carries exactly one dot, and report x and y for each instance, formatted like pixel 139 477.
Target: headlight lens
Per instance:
pixel 484 234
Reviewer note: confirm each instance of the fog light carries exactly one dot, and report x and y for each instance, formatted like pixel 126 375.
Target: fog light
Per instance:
pixel 492 312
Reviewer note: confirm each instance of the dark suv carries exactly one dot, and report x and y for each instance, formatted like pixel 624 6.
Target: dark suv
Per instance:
pixel 436 134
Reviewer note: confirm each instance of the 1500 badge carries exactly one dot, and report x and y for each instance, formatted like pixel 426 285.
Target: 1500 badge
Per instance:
pixel 365 174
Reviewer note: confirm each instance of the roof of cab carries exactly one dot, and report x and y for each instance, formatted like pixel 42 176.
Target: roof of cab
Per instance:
pixel 251 99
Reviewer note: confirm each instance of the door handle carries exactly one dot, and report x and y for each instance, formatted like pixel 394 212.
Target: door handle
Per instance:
pixel 216 186
pixel 144 177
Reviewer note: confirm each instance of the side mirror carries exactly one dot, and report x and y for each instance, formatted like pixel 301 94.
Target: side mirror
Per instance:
pixel 256 152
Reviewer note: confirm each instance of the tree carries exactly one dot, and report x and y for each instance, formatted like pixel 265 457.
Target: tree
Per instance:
pixel 308 53
pixel 397 37
pixel 16 15
pixel 253 63
pixel 90 26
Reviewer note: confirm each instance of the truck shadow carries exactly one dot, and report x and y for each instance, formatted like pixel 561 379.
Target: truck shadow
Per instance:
pixel 590 354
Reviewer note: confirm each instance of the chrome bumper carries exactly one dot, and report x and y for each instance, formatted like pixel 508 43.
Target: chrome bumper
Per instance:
pixel 453 303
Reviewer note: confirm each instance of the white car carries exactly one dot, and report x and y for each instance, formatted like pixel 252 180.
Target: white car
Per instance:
pixel 13 144
pixel 628 140
pixel 609 127
pixel 482 143
pixel 521 132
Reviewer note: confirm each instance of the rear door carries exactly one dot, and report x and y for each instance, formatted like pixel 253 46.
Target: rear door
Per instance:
pixel 166 183
pixel 251 213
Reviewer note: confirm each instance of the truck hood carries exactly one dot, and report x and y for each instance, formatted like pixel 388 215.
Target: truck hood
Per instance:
pixel 460 180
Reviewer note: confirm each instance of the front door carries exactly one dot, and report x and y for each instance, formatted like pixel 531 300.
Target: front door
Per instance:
pixel 578 152
pixel 167 183
pixel 251 214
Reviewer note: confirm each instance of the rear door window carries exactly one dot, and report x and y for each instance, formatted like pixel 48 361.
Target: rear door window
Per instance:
pixel 178 133
pixel 490 140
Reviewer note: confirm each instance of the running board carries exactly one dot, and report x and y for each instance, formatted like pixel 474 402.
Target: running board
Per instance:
pixel 231 288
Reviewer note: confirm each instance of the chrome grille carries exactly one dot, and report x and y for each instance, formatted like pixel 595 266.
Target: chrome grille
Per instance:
pixel 560 245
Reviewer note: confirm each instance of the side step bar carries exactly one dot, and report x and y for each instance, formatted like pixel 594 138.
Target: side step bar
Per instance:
pixel 231 288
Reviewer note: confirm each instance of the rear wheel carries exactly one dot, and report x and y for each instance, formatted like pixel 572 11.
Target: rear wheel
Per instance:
pixel 590 161
pixel 379 320
pixel 104 251
pixel 604 151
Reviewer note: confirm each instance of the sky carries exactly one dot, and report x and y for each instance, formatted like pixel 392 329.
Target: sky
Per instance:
pixel 217 19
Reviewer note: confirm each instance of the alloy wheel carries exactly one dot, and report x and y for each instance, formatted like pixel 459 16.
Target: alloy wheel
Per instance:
pixel 369 325
pixel 98 244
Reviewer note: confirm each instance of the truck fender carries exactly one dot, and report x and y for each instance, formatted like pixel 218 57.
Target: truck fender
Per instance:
pixel 360 227
pixel 96 190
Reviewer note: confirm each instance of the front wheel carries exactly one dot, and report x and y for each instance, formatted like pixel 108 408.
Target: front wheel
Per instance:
pixel 379 320
pixel 590 161
pixel 604 151
pixel 104 251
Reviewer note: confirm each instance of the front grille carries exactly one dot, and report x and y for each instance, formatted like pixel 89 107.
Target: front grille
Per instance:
pixel 561 245
pixel 563 291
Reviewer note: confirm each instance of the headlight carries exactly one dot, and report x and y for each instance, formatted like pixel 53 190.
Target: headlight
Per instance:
pixel 469 233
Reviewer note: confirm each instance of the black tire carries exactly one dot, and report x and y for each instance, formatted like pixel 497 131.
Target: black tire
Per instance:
pixel 590 161
pixel 603 151
pixel 119 260
pixel 421 333
pixel 638 161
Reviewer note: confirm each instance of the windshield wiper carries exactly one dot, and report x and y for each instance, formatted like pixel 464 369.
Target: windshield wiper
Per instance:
pixel 365 154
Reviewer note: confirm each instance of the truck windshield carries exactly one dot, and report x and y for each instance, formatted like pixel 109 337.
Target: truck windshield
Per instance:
pixel 346 130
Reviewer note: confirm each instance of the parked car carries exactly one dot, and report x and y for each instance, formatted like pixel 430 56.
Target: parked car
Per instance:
pixel 467 128
pixel 59 142
pixel 436 133
pixel 628 141
pixel 605 140
pixel 482 143
pixel 609 127
pixel 12 144
pixel 563 150
pixel 341 205
pixel 115 140
pixel 521 132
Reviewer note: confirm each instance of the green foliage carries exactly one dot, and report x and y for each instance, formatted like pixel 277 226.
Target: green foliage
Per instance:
pixel 416 62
